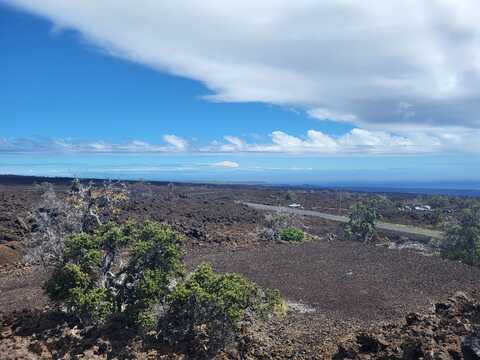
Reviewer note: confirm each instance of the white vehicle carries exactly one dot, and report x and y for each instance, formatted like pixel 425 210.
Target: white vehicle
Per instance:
pixel 295 205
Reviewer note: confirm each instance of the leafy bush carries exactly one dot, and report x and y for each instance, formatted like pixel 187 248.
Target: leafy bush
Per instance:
pixel 292 234
pixel 275 223
pixel 94 282
pixel 206 310
pixel 462 240
pixel 361 224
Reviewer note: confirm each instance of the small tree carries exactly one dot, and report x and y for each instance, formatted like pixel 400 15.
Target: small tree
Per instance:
pixel 96 202
pixel 462 240
pixel 95 282
pixel 207 310
pixel 134 273
pixel 291 196
pixel 361 224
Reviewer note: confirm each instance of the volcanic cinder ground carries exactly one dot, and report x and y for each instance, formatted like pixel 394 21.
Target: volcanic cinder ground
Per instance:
pixel 333 286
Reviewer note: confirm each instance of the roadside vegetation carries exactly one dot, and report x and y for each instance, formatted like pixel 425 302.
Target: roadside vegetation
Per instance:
pixel 283 227
pixel 291 196
pixel 462 240
pixel 361 225
pixel 462 231
pixel 430 211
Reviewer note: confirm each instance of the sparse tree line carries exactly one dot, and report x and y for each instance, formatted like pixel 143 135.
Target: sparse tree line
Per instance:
pixel 134 273
pixel 459 217
pixel 431 210
pixel 462 235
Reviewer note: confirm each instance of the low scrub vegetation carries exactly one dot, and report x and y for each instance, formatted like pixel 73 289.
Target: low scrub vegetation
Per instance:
pixel 135 274
pixel 292 234
pixel 94 282
pixel 291 196
pixel 207 310
pixel 282 227
pixel 462 241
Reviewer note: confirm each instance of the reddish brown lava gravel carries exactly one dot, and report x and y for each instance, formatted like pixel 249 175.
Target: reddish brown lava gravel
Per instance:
pixel 349 285
pixel 350 280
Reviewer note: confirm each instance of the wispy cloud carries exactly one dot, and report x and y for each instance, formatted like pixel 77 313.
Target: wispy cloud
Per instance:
pixel 177 142
pixel 172 144
pixel 225 164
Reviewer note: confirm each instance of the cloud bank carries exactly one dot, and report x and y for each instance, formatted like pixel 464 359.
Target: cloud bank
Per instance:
pixel 379 64
pixel 356 141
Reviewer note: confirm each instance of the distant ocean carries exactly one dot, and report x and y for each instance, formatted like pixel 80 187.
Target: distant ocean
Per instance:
pixel 428 175
pixel 458 189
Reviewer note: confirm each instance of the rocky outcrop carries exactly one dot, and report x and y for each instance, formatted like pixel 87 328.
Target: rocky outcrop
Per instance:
pixel 451 330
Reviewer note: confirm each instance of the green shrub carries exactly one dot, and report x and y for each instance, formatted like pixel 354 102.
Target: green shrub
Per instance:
pixel 361 224
pixel 134 273
pixel 462 241
pixel 274 223
pixel 94 283
pixel 291 196
pixel 292 234
pixel 207 309
pixel 65 279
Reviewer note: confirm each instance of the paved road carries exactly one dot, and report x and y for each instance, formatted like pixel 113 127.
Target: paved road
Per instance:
pixel 406 229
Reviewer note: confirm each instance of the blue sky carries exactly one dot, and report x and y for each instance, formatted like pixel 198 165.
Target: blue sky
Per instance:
pixel 57 85
pixel 84 92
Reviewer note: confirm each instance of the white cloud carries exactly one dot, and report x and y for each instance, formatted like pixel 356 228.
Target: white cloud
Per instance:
pixel 177 142
pixel 225 164
pixel 325 114
pixel 30 145
pixel 383 65
pixel 356 141
pixel 234 144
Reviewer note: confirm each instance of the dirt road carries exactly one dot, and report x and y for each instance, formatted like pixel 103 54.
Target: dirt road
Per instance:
pixel 406 229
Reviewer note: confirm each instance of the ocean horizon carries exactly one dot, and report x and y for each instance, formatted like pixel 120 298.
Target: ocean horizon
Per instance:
pixel 324 172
